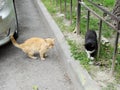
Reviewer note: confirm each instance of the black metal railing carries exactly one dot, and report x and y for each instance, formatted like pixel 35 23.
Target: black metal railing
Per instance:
pixel 65 7
pixel 101 20
pixel 80 4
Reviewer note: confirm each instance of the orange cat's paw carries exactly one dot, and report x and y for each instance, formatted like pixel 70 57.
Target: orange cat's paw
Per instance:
pixel 42 58
pixel 45 55
pixel 33 57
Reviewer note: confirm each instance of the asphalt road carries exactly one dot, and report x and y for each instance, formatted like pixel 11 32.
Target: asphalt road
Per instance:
pixel 19 72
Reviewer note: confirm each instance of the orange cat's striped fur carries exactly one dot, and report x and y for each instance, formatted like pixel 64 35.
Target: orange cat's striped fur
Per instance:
pixel 35 45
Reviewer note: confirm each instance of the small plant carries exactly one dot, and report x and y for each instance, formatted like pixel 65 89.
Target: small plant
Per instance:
pixel 79 54
pixel 110 86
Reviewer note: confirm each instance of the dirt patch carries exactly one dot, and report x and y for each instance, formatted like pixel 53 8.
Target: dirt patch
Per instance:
pixel 72 36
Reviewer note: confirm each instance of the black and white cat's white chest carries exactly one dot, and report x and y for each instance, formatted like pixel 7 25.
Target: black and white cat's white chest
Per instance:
pixel 91 45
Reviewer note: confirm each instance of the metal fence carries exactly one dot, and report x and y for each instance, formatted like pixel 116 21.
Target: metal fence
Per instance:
pixel 80 4
pixel 101 20
pixel 65 7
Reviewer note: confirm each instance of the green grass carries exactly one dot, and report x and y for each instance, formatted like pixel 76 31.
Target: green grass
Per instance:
pixel 54 8
pixel 77 51
pixel 106 3
pixel 79 54
pixel 110 86
pixel 94 22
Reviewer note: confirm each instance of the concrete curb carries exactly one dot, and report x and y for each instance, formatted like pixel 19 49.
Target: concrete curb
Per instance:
pixel 79 76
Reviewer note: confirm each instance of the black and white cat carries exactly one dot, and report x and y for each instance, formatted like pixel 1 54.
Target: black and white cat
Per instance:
pixel 91 45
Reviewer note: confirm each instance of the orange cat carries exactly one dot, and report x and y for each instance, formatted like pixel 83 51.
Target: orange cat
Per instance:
pixel 35 45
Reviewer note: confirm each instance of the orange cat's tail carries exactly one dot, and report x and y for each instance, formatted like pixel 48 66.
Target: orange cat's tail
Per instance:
pixel 14 41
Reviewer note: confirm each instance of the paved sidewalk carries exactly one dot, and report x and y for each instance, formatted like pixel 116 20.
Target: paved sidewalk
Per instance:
pixel 17 71
pixel 79 76
pixel 58 72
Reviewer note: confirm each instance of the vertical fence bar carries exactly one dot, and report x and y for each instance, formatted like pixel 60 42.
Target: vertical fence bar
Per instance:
pixel 114 54
pixel 88 19
pixel 65 9
pixel 115 50
pixel 99 38
pixel 71 12
pixel 56 2
pixel 51 2
pixel 60 6
pixel 78 16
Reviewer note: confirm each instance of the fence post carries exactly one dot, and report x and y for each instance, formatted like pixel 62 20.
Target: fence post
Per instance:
pixel 65 9
pixel 115 51
pixel 99 39
pixel 60 6
pixel 51 2
pixel 56 2
pixel 88 19
pixel 71 12
pixel 78 16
